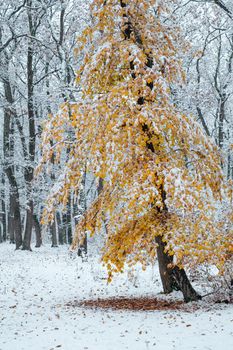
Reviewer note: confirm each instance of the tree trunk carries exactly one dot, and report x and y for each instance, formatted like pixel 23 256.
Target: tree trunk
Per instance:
pixel 16 220
pixel 29 171
pixel 14 226
pixel 82 250
pixel 173 278
pixel 168 281
pixel 3 209
pixel 53 231
pixel 185 286
pixel 82 207
pixel 28 228
pixel 60 228
pixel 37 228
pixel 221 120
pixel 11 214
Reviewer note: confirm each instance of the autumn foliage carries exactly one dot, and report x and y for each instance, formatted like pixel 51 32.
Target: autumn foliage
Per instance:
pixel 161 175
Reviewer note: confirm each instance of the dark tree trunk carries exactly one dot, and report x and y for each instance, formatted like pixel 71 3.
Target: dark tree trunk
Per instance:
pixel 37 228
pixel 14 226
pixel 82 207
pixel 53 231
pixel 66 224
pixel 168 281
pixel 29 171
pixel 60 236
pixel 28 175
pixel 3 209
pixel 185 286
pixel 221 120
pixel 28 228
pixel 100 186
pixel 82 250
pixel 229 166
pixel 69 229
pixel 16 220
pixel 60 230
pixel 4 221
pixel 11 215
pixel 173 278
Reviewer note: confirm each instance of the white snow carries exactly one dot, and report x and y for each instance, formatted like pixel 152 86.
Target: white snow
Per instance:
pixel 36 286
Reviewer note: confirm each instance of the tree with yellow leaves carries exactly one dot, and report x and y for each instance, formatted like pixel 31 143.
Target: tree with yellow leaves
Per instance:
pixel 161 176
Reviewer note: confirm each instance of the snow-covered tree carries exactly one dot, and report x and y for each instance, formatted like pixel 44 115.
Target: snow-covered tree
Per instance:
pixel 37 65
pixel 162 178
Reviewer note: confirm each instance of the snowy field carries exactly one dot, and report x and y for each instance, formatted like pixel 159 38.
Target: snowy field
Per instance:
pixel 35 288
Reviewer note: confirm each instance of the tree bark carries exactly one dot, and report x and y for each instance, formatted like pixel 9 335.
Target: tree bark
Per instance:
pixel 16 222
pixel 82 207
pixel 37 228
pixel 28 228
pixel 8 148
pixel 60 230
pixel 53 231
pixel 168 281
pixel 29 171
pixel 3 209
pixel 173 278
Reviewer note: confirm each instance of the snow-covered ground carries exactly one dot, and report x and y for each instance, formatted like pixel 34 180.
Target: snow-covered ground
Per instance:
pixel 35 288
